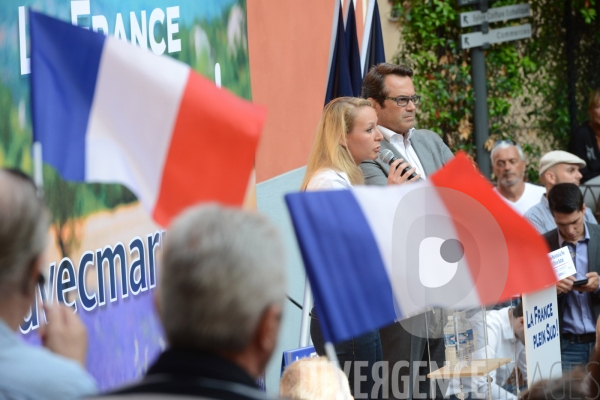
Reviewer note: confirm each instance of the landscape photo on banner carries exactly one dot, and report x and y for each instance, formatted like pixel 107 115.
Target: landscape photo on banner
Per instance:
pixel 105 224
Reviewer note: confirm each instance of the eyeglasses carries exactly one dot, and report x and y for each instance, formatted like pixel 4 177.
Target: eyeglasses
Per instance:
pixel 402 101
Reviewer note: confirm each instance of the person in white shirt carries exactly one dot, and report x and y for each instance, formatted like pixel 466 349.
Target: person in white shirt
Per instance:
pixel 508 165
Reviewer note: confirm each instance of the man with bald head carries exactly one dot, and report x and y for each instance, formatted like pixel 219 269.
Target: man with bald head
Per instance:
pixel 29 372
pixel 556 167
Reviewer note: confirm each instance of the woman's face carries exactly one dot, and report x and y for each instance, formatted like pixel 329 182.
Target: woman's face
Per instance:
pixel 364 138
pixel 595 114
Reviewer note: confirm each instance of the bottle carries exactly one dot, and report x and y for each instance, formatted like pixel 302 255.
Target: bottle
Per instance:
pixel 453 355
pixel 465 328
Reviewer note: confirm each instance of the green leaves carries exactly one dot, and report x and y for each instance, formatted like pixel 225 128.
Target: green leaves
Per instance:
pixel 526 79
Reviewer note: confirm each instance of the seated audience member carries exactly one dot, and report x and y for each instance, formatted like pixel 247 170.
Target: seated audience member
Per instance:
pixel 570 386
pixel 508 165
pixel 585 141
pixel 347 135
pixel 219 298
pixel 27 372
pixel 314 378
pixel 556 167
pixel 578 305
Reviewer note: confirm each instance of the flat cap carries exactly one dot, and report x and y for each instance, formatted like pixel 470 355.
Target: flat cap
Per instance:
pixel 552 158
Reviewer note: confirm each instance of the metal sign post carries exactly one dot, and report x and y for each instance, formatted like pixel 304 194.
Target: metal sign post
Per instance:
pixel 478 41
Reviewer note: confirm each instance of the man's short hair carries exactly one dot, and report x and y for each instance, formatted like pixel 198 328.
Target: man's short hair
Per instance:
pixel 24 224
pixel 374 82
pixel 505 144
pixel 565 198
pixel 222 268
pixel 517 311
pixel 314 378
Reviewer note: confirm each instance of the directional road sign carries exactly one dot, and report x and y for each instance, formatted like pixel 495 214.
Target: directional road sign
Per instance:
pixel 470 2
pixel 472 18
pixel 476 39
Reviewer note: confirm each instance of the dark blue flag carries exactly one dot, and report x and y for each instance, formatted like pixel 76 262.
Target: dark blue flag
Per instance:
pixel 353 52
pixel 339 83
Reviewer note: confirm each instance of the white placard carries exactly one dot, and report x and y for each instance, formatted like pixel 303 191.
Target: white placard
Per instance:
pixel 562 262
pixel 542 335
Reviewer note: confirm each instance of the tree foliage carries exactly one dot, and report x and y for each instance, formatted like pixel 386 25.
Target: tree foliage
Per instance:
pixel 526 79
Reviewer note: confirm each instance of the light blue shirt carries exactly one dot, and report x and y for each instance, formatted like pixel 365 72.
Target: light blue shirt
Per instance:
pixel 541 217
pixel 578 317
pixel 28 372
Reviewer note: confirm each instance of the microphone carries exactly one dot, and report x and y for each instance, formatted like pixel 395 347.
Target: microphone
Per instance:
pixel 388 157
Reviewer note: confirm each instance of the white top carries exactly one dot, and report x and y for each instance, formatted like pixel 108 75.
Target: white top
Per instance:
pixel 502 343
pixel 327 178
pixel 529 198
pixel 404 147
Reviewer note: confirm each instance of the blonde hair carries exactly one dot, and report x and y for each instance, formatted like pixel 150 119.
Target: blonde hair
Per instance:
pixel 329 149
pixel 314 378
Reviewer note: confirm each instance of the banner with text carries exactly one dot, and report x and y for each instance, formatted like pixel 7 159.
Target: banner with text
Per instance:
pixel 104 248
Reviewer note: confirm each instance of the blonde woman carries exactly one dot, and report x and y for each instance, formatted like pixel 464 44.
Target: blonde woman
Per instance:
pixel 346 136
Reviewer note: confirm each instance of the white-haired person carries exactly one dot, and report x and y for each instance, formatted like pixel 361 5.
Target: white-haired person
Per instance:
pixel 220 297
pixel 346 136
pixel 314 378
pixel 27 372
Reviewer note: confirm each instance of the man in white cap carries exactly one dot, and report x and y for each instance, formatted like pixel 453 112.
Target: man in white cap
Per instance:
pixel 556 167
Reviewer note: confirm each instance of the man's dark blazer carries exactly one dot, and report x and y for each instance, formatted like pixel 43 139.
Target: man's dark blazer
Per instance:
pixel 593 266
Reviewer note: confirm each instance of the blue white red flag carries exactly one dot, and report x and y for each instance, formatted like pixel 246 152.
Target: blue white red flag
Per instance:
pixel 107 111
pixel 378 254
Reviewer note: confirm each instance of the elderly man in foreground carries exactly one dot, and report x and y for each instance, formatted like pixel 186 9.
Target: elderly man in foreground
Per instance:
pixel 220 298
pixel 27 372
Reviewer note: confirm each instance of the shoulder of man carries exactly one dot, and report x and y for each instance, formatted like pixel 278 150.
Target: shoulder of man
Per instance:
pixel 593 229
pixel 427 135
pixel 552 239
pixel 56 377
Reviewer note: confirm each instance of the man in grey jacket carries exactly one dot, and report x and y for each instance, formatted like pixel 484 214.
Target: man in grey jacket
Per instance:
pixel 413 343
pixel 391 91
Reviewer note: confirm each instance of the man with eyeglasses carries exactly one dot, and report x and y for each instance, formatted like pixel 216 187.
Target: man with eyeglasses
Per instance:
pixel 578 295
pixel 508 165
pixel 414 346
pixel 556 167
pixel 392 94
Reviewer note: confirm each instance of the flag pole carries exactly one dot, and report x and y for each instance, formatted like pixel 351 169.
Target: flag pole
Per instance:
pixel 218 75
pixel 38 171
pixel 304 322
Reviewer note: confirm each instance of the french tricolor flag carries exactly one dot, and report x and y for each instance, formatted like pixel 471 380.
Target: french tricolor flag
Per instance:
pixel 107 111
pixel 374 255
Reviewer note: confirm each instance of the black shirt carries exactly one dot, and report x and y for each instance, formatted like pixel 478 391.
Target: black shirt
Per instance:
pixel 191 372
pixel 584 145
